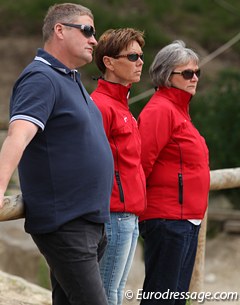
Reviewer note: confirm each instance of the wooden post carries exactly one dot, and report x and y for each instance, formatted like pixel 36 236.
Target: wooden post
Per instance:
pixel 219 179
pixel 197 280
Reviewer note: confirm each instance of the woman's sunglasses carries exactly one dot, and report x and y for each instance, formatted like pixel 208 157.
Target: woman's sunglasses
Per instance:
pixel 188 74
pixel 131 57
pixel 87 30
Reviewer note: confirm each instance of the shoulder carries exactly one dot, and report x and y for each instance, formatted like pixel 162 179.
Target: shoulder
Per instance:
pixel 36 74
pixel 104 103
pixel 158 105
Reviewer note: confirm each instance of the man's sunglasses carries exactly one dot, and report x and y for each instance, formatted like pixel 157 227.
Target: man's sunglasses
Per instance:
pixel 188 74
pixel 87 30
pixel 131 57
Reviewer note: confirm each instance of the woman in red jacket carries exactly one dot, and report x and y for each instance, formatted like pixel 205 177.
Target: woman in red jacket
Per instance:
pixel 176 164
pixel 119 57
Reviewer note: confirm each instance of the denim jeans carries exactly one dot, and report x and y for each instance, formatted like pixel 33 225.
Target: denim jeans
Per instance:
pixel 122 235
pixel 72 253
pixel 169 254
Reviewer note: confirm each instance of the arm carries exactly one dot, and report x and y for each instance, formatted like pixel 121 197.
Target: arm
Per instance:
pixel 155 127
pixel 19 135
pixel 106 113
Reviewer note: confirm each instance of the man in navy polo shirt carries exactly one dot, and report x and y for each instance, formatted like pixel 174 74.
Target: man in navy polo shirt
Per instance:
pixel 56 136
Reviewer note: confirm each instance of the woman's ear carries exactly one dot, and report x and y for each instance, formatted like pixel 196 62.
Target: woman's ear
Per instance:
pixel 108 62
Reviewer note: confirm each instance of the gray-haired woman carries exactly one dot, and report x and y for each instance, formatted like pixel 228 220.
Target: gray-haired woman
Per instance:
pixel 175 161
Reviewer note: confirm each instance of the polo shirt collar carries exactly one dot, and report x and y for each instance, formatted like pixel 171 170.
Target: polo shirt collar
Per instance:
pixel 48 59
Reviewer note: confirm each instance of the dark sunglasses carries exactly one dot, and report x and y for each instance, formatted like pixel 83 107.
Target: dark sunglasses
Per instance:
pixel 131 57
pixel 188 74
pixel 87 30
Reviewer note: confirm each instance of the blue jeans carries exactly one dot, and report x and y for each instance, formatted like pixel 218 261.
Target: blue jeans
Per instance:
pixel 122 235
pixel 72 253
pixel 169 253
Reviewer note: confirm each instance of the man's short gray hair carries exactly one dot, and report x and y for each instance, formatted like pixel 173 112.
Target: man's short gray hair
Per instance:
pixel 65 12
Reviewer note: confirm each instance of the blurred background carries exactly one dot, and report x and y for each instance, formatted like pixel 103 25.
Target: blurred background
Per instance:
pixel 210 27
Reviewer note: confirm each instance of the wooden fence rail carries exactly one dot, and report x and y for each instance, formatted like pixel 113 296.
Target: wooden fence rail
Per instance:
pixel 225 179
pixel 13 208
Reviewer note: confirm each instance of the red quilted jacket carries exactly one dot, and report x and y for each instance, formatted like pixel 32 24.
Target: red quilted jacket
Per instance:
pixel 129 189
pixel 174 158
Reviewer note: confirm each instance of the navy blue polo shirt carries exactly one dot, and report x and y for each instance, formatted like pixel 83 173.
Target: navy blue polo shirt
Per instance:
pixel 66 171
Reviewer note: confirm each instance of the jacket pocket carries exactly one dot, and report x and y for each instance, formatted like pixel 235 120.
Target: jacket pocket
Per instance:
pixel 118 180
pixel 180 188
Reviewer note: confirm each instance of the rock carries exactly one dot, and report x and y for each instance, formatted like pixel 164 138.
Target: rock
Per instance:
pixel 16 291
pixel 19 255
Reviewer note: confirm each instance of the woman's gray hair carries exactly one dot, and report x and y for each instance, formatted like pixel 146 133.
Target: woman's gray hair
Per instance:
pixel 169 57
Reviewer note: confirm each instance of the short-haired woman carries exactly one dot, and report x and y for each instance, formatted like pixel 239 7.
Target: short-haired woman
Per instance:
pixel 119 57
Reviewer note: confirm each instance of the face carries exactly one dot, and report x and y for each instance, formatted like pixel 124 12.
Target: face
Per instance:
pixel 188 85
pixel 77 47
pixel 123 71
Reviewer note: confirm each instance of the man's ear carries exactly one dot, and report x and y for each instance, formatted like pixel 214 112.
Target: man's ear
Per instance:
pixel 58 29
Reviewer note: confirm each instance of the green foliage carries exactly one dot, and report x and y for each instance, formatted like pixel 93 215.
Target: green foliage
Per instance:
pixel 216 113
pixel 43 274
pixel 206 22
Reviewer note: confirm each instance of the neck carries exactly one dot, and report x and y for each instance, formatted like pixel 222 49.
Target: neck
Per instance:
pixel 112 78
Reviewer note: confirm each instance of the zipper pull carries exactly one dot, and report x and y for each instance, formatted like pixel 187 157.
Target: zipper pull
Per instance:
pixel 121 194
pixel 180 188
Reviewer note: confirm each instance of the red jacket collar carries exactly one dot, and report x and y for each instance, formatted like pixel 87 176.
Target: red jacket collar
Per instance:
pixel 117 91
pixel 175 95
